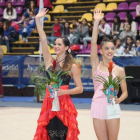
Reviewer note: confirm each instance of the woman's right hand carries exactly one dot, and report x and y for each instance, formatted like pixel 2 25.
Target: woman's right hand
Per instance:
pixel 98 15
pixel 6 38
pixel 42 13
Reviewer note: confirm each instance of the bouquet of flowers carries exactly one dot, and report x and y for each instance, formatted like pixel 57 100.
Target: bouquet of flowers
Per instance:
pixel 110 86
pixel 52 81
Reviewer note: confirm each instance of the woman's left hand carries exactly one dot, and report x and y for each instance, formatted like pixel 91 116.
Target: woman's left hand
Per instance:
pixel 61 92
pixel 117 100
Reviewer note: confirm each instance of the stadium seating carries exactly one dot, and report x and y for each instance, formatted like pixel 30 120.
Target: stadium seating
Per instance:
pixel 122 15
pixel 101 6
pixel 133 5
pixel 61 1
pixel 110 16
pixel 2 2
pixel 112 0
pixel 20 2
pixel 58 9
pixel 49 17
pixel 76 9
pixel 133 14
pixel 13 2
pixel 111 6
pixel 122 6
pixel 88 16
pixel 4 47
pixel 19 10
pixel 1 11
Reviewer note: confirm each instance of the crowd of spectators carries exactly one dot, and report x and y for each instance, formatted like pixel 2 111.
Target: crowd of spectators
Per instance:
pixel 125 34
pixel 11 27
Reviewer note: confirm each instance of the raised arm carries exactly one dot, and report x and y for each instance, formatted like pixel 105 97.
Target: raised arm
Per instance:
pixel 94 48
pixel 46 54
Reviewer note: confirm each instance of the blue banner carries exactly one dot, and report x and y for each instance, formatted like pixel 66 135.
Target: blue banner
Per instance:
pixel 16 70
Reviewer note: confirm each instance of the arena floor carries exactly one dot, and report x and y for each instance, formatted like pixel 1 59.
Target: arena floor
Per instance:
pixel 18 121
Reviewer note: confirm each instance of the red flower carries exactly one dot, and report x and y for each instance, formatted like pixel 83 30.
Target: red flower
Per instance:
pixel 54 64
pixel 110 68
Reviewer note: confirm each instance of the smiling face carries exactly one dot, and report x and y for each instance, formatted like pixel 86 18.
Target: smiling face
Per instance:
pixel 31 14
pixel 9 5
pixel 115 20
pixel 84 22
pixel 118 42
pixel 108 50
pixel 60 47
pixel 103 22
pixel 129 40
pixel 74 22
pixel 126 19
pixel 56 21
pixel 138 43
pixel 127 28
pixel 32 4
pixel 66 25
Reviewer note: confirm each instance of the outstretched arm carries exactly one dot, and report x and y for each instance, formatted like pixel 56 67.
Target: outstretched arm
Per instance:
pixel 46 54
pixel 94 48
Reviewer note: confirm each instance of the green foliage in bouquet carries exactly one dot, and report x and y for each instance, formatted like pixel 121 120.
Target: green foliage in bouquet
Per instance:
pixel 53 77
pixel 115 82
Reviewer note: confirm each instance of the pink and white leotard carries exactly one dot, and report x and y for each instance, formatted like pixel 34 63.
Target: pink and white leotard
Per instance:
pixel 99 101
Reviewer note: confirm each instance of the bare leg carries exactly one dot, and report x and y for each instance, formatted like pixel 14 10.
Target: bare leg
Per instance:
pixel 113 126
pixel 100 129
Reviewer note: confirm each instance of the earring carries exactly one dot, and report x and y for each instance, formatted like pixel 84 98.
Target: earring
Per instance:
pixel 69 50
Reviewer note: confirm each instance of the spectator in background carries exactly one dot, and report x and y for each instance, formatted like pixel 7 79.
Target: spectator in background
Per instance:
pixel 1 31
pixel 127 33
pixel 74 31
pixel 137 46
pixel 1 87
pixel 117 27
pixel 75 24
pixel 129 47
pixel 10 13
pixel 57 31
pixel 32 8
pixel 104 30
pixel 10 35
pixel 83 31
pixel 138 13
pixel 66 31
pixel 119 49
pixel 88 38
pixel 29 26
pixel 129 20
pixel 138 35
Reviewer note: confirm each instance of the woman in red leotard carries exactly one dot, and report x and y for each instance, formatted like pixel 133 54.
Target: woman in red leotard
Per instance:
pixel 58 125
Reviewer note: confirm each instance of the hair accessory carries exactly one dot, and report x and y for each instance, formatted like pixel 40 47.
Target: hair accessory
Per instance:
pixel 69 50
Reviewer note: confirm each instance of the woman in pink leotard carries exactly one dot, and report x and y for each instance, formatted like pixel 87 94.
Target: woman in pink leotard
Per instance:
pixel 105 129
